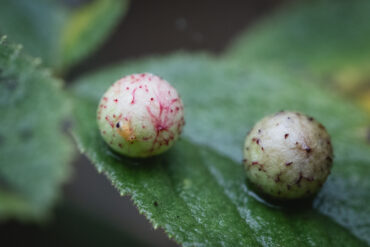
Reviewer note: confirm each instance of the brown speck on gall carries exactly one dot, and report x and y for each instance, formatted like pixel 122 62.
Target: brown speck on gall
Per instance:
pixel 294 155
pixel 277 178
pixel 300 177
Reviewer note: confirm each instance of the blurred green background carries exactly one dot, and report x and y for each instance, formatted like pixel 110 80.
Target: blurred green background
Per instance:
pixel 77 37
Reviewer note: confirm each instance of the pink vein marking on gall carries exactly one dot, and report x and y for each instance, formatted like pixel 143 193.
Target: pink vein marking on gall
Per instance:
pixel 149 109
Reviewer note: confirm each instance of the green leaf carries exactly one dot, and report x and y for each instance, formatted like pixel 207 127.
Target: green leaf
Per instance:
pixel 326 39
pixel 197 191
pixel 34 152
pixel 36 24
pixel 61 36
pixel 319 36
pixel 87 27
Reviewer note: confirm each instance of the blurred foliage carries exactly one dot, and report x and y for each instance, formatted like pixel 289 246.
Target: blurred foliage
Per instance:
pixel 328 40
pixel 60 35
pixel 88 26
pixel 34 152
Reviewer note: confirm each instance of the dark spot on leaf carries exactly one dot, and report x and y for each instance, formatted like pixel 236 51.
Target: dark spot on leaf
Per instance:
pixel 26 134
pixel 288 163
pixel 310 119
pixel 117 125
pixel 308 149
pixel 255 163
pixel 259 131
pixel 286 136
pixel 155 203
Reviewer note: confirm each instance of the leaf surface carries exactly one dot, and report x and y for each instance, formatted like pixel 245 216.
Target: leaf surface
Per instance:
pixel 34 152
pixel 326 40
pixel 197 191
